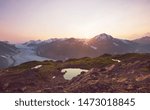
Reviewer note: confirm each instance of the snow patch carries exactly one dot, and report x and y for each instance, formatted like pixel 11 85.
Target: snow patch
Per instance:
pixel 8 58
pixel 54 39
pixel 103 37
pixel 124 41
pixel 50 40
pixel 116 60
pixel 53 77
pixel 36 67
pixel 115 44
pixel 33 42
pixel 3 56
pixel 93 47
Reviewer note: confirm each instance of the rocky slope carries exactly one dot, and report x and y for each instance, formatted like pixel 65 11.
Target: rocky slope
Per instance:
pixel 107 73
pixel 132 74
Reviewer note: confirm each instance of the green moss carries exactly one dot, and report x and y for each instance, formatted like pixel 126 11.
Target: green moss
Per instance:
pixel 130 55
pixel 84 63
pixel 88 63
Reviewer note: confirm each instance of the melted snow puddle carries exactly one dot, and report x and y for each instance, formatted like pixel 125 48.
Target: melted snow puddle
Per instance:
pixel 72 72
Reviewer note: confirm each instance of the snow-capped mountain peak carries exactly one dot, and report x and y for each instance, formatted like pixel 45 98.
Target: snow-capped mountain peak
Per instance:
pixel 50 40
pixel 32 42
pixel 54 39
pixel 103 36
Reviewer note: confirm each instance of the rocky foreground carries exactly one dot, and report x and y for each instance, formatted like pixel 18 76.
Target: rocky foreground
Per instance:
pixel 107 73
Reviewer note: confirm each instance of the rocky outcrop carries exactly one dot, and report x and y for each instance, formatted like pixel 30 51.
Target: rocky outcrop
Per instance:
pixel 128 73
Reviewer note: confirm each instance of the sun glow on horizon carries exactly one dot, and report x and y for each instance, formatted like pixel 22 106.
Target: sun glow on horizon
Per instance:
pixel 25 20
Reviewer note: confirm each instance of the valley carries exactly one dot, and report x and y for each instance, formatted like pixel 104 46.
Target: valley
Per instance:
pixel 26 54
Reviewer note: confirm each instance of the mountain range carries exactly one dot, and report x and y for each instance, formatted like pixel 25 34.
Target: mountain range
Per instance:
pixel 61 49
pixel 111 64
pixel 66 48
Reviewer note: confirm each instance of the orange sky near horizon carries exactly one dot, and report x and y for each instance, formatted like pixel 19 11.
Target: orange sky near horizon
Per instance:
pixel 23 20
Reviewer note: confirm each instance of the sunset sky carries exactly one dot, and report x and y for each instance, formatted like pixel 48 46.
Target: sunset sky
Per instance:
pixel 23 20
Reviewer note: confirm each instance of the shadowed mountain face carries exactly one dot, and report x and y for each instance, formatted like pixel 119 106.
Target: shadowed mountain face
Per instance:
pixel 66 48
pixel 143 40
pixel 76 48
pixel 3 62
pixel 107 73
pixel 144 43
pixel 6 48
pixel 107 44
pixel 6 51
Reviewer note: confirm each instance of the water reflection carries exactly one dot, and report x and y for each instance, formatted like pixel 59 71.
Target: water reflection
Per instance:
pixel 72 72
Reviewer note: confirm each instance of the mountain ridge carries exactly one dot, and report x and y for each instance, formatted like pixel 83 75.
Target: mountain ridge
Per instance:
pixel 66 48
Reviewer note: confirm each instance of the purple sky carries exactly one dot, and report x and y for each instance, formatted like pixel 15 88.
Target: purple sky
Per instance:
pixel 22 20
